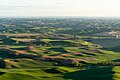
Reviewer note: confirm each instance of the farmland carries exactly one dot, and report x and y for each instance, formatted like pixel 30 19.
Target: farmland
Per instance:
pixel 59 48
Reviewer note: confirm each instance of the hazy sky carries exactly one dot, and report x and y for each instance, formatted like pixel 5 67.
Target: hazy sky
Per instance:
pixel 59 7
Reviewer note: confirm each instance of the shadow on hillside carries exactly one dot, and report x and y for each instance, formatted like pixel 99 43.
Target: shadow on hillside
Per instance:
pixel 104 73
pixel 117 60
pixel 7 55
pixel 2 65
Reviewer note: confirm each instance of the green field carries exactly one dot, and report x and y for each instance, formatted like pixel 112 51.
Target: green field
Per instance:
pixel 58 48
pixel 61 73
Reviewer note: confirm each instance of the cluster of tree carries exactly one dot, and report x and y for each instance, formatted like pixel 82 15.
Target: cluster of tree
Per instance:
pixel 107 63
pixel 102 63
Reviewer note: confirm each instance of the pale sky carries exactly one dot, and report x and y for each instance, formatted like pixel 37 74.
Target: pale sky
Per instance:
pixel 59 7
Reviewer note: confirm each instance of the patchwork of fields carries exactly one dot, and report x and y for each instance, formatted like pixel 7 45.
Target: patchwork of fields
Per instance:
pixel 39 58
pixel 59 48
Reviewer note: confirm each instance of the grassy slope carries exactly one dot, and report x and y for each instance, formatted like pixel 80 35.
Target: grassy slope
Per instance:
pixel 35 74
pixel 61 73
pixel 28 68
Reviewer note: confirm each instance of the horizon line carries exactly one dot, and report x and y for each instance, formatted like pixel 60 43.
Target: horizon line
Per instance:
pixel 54 16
